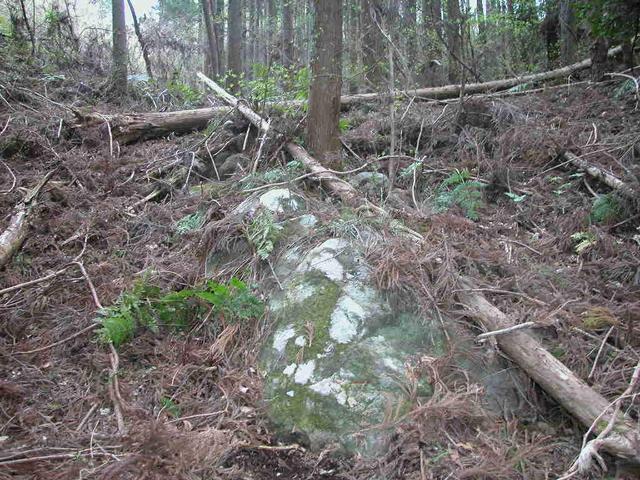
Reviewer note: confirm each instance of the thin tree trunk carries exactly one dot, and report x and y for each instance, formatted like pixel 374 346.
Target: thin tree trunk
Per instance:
pixel 234 63
pixel 120 55
pixel 373 50
pixel 143 44
pixel 27 25
pixel 326 82
pixel 219 30
pixel 567 32
pixel 287 34
pixel 272 19
pixel 212 43
pixel 480 17
pixel 454 40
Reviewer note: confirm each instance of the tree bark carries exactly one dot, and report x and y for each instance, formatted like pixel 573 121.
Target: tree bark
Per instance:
pixel 373 43
pixel 119 53
pixel 272 20
pixel 218 25
pixel 480 17
pixel 599 174
pixel 323 134
pixel 143 44
pixel 139 126
pixel 288 53
pixel 567 32
pixel 235 26
pixel 454 40
pixel 212 41
pixel 556 379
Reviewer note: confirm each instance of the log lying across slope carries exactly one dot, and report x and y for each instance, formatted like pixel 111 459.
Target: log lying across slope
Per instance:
pixel 578 398
pixel 137 126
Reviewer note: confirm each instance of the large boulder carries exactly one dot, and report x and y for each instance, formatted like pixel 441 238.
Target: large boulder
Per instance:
pixel 335 363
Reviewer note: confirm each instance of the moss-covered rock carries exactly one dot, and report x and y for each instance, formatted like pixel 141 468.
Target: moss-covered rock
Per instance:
pixel 335 363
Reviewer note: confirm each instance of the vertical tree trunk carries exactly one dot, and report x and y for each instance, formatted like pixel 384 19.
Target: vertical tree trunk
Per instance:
pixel 287 34
pixel 409 34
pixel 235 24
pixel 599 59
pixel 480 17
pixel 143 44
pixel 454 40
pixel 219 29
pixel 272 19
pixel 326 83
pixel 119 53
pixel 212 41
pixel 373 51
pixel 30 31
pixel 567 32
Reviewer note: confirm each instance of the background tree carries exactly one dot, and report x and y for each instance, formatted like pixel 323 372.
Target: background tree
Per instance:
pixel 235 24
pixel 326 83
pixel 120 54
pixel 212 41
pixel 454 40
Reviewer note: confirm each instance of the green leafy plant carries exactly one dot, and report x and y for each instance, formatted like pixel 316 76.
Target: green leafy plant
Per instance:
pixel 458 189
pixel 170 407
pixel 515 197
pixel 146 306
pixel 184 93
pixel 582 241
pixel 605 208
pixel 263 232
pixel 344 124
pixel 190 223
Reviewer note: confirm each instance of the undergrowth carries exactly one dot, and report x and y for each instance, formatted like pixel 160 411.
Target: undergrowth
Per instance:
pixel 458 189
pixel 605 208
pixel 146 306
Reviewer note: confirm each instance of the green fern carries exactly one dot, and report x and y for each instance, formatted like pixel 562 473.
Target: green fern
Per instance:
pixel 190 223
pixel 465 194
pixel 605 208
pixel 263 233
pixel 146 306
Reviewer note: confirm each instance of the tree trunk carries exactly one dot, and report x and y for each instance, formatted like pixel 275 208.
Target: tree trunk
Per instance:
pixel 212 41
pixel 323 132
pixel 454 40
pixel 567 32
pixel 373 43
pixel 219 29
pixel 119 54
pixel 287 35
pixel 272 19
pixel 143 44
pixel 235 24
pixel 480 17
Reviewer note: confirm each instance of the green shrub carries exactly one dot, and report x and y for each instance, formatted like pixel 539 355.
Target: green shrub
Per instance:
pixel 605 208
pixel 146 306
pixel 458 190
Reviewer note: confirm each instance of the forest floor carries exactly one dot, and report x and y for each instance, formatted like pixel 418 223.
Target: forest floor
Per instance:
pixel 533 241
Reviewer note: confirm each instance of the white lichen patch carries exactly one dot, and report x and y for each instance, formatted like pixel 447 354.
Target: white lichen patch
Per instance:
pixel 279 200
pixel 324 258
pixel 308 220
pixel 289 369
pixel 300 341
pixel 300 293
pixel 346 320
pixel 282 337
pixel 304 372
pixel 330 387
pixel 291 393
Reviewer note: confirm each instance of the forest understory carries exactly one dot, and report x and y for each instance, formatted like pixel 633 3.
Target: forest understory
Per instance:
pixel 485 182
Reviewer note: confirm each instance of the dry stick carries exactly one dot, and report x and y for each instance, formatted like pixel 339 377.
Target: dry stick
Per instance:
pixel 114 388
pixel 595 362
pixel 60 342
pixel 502 331
pixel 634 80
pixel 15 233
pixel 554 377
pixel 13 185
pixel 599 174
pixel 6 125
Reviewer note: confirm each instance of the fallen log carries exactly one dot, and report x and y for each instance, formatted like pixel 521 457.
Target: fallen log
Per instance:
pixel 580 400
pixel 599 174
pixel 129 128
pixel 339 187
pixel 16 232
pixel 132 127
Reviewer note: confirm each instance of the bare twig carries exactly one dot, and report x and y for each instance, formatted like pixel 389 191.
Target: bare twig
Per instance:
pixel 502 331
pixel 13 184
pixel 604 340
